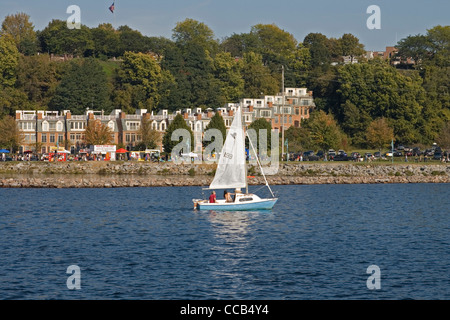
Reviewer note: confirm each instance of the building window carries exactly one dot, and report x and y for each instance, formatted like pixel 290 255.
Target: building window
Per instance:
pixel 297 111
pixel 286 110
pixel 52 138
pixel 44 138
pixel 304 102
pixel 30 137
pixel 79 125
pixel 265 113
pixel 60 138
pixel 52 126
pixel 27 126
pixel 59 126
pixel 45 126
pixel 133 125
pixel 72 137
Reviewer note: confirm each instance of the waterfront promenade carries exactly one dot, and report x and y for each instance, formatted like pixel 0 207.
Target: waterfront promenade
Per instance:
pixel 145 174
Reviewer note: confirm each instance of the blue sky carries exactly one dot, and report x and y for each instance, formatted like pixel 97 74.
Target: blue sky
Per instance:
pixel 399 18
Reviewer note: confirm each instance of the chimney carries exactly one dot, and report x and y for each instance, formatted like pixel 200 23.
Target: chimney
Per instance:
pixel 68 115
pixel 250 108
pixel 199 116
pixel 147 116
pixel 18 115
pixel 219 112
pixel 186 115
pixel 40 115
pixel 231 112
pixel 91 116
pixel 310 93
pixel 122 115
pixel 270 104
pixel 210 114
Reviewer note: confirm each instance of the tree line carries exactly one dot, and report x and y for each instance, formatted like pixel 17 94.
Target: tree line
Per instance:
pixel 124 69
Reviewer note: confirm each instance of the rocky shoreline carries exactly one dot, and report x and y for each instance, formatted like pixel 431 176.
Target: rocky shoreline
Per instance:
pixel 142 174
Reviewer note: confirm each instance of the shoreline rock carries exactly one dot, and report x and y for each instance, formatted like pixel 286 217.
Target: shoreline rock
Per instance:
pixel 138 174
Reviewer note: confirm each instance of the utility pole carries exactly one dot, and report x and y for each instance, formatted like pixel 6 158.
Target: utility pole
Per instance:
pixel 282 112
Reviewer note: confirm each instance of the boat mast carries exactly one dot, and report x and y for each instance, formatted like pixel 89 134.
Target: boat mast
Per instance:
pixel 245 155
pixel 260 166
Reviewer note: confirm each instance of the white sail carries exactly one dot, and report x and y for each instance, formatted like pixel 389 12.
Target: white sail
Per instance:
pixel 231 169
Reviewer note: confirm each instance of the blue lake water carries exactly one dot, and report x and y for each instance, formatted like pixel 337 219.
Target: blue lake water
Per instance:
pixel 149 243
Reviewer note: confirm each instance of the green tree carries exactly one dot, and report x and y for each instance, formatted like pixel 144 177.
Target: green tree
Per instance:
pixel 9 59
pixel 379 90
pixel 10 136
pixel 318 46
pixel 97 133
pixel 324 130
pixel 142 79
pixel 258 79
pixel 299 139
pixel 85 85
pixel 12 99
pixel 216 122
pixel 177 123
pixel 149 137
pixel 106 40
pixel 38 77
pixel 416 47
pixel 258 125
pixel 131 40
pixel 443 138
pixel 193 71
pixel 379 134
pixel 238 44
pixel 58 39
pixel 19 27
pixel 274 42
pixel 349 46
pixel 193 31
pixel 227 71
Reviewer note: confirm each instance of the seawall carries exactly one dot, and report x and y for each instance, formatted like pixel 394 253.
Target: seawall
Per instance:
pixel 145 174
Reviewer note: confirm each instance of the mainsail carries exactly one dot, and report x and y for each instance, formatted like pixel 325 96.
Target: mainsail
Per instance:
pixel 231 169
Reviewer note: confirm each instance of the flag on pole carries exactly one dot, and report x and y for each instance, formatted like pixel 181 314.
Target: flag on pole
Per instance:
pixel 111 8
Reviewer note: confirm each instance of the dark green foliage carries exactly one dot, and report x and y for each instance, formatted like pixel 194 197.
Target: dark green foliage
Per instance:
pixel 177 123
pixel 85 85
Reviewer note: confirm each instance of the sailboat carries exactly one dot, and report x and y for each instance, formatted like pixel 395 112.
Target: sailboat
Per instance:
pixel 231 173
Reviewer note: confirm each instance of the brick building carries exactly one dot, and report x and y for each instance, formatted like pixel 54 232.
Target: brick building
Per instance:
pixel 45 130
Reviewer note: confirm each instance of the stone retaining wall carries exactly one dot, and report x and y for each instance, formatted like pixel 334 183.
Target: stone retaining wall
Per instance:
pixel 137 174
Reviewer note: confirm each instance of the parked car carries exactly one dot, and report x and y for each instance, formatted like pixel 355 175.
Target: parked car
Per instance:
pixel 437 155
pixel 320 154
pixel 388 154
pixel 310 156
pixel 397 153
pixel 341 157
pixel 342 152
pixel 377 155
pixel 416 151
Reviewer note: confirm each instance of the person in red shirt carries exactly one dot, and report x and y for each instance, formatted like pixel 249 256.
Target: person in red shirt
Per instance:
pixel 212 197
